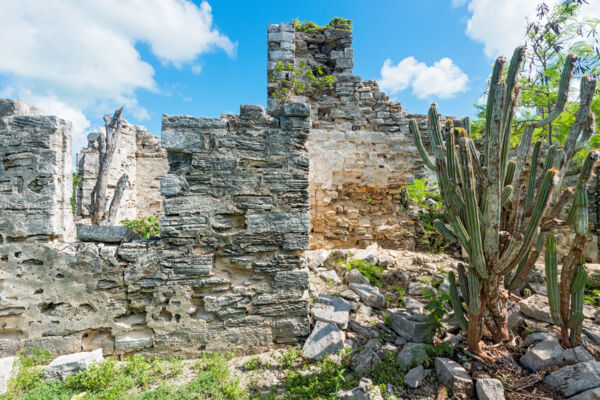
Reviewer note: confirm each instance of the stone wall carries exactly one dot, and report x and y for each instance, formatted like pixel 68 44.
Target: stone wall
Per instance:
pixel 224 275
pixel 139 155
pixel 360 150
pixel 35 175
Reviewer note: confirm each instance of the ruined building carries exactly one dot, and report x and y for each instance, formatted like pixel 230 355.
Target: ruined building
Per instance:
pixel 241 198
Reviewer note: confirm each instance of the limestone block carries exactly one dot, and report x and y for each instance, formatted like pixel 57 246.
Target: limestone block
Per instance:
pixel 66 365
pixel 452 374
pixel 576 378
pixel 324 339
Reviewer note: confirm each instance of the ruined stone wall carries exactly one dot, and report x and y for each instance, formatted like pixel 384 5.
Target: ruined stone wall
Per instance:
pixel 139 155
pixel 35 175
pixel 224 275
pixel 360 150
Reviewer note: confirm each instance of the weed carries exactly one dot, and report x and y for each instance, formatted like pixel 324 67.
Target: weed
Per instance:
pixel 289 357
pixel 252 364
pixel 388 370
pixel 144 226
pixel 373 272
pixel 323 382
pixel 437 310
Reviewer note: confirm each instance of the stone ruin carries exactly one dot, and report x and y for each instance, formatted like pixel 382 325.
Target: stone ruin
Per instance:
pixel 241 197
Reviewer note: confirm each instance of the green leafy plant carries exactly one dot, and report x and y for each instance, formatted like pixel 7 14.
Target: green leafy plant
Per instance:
pixel 428 201
pixel 322 381
pixel 437 299
pixel 76 181
pixel 373 272
pixel 388 370
pixel 252 364
pixel 144 226
pixel 340 24
pixel 289 357
pixel 289 80
pixel 28 372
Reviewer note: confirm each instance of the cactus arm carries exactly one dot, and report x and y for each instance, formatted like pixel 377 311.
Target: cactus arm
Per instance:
pixel 525 266
pixel 523 152
pixel 444 231
pixel 576 316
pixel 511 251
pixel 506 192
pixel 494 80
pixel 466 124
pixel 456 303
pixel 586 94
pixel 476 259
pixel 474 288
pixel 510 173
pixel 580 223
pixel 414 129
pixel 464 282
pixel 435 134
pixel 563 92
pixel 532 174
pixel 551 261
pixel 550 157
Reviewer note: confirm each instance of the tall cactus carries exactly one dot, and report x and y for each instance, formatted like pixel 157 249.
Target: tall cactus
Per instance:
pixel 500 222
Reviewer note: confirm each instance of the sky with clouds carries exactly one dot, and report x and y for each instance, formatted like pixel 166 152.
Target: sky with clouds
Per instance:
pixel 80 59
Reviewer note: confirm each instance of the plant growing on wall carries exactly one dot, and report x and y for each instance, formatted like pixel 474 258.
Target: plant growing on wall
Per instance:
pixel 289 80
pixel 144 226
pixel 101 213
pixel 500 222
pixel 338 23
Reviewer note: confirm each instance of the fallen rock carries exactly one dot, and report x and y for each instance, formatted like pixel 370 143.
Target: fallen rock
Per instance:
pixel 63 366
pixel 333 310
pixel 410 326
pixel 365 361
pixel 361 392
pixel 417 288
pixel 489 389
pixel 350 295
pixel 592 394
pixel 539 336
pixel 412 354
pixel 368 294
pixel 574 379
pixel 355 276
pixel 370 255
pixel 453 375
pixel 314 259
pixel 577 354
pixel 414 377
pixel 536 307
pixel 7 369
pixel 330 276
pixel 364 310
pixel 592 331
pixel 413 306
pixel 324 339
pixel 547 353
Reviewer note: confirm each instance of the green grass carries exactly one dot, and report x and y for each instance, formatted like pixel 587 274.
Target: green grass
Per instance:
pixel 373 272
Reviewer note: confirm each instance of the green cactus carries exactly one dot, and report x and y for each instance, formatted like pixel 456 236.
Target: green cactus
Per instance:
pixel 500 222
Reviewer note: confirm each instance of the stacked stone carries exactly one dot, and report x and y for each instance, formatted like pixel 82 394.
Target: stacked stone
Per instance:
pixel 35 175
pixel 360 149
pixel 281 44
pixel 151 166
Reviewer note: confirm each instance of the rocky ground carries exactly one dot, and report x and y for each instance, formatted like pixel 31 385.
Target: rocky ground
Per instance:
pixel 382 329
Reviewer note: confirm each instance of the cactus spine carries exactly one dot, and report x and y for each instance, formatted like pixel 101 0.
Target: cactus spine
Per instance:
pixel 501 223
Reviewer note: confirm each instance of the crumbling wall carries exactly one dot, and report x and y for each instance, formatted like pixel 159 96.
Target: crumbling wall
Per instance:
pixel 224 275
pixel 139 155
pixel 35 175
pixel 360 150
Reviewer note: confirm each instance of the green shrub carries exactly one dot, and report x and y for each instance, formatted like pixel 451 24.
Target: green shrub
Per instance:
pixel 373 272
pixel 144 226
pixel 76 180
pixel 290 357
pixel 340 24
pixel 323 382
pixel 290 80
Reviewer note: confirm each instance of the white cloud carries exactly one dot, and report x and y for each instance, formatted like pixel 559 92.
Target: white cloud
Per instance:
pixel 458 3
pixel 76 56
pixel 443 79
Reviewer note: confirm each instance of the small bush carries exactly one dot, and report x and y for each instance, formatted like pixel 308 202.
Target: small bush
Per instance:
pixel 289 358
pixel 373 272
pixel 340 24
pixel 144 226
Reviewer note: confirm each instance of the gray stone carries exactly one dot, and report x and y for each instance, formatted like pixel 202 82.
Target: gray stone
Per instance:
pixel 278 222
pixel 291 279
pixel 66 365
pixel 414 377
pixel 409 326
pixel 365 361
pixel 539 336
pixel 330 276
pixel 361 392
pixel 417 288
pixel 489 389
pixel 577 354
pixel 7 371
pixel 592 331
pixel 536 307
pixel 106 234
pixel 576 378
pixel 412 354
pixel 133 341
pixel 324 339
pixel 413 306
pixel 350 295
pixel 547 353
pixel 173 185
pixel 453 375
pixel 368 294
pixel 333 310
pixel 592 394
pixel 355 276
pixel 296 109
pixel 370 255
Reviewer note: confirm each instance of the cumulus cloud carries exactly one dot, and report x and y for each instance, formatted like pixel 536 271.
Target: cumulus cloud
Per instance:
pixel 443 79
pixel 74 56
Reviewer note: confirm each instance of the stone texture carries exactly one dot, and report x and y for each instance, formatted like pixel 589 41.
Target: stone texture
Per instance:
pixel 489 389
pixel 576 378
pixel 355 276
pixel 36 177
pixel 409 326
pixel 361 392
pixel 105 234
pixel 536 307
pixel 453 375
pixel 545 354
pixel 592 394
pixel 414 377
pixel 412 354
pixel 325 339
pixel 66 365
pixel 368 294
pixel 331 309
pixel 7 371
pixel 577 354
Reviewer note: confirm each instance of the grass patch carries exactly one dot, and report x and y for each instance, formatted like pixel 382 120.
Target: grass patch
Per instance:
pixel 373 272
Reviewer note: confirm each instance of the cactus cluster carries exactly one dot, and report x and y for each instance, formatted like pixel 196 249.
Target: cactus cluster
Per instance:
pixel 500 221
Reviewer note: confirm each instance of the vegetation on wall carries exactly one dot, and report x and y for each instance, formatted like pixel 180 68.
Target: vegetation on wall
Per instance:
pixel 76 181
pixel 340 24
pixel 290 80
pixel 144 226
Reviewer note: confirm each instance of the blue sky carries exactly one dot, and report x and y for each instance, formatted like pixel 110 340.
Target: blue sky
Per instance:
pixel 80 59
